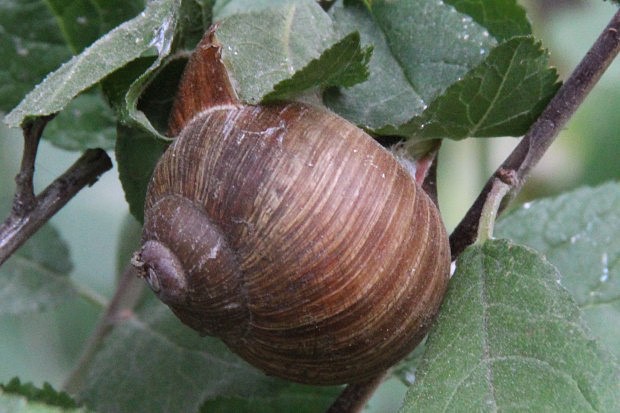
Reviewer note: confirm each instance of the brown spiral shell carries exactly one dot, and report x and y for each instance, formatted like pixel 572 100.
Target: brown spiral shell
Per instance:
pixel 296 238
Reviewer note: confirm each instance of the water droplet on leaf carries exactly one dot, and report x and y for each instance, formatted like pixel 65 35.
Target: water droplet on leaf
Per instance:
pixel 605 263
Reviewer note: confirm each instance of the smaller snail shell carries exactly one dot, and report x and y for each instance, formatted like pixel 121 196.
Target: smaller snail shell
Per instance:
pixel 211 304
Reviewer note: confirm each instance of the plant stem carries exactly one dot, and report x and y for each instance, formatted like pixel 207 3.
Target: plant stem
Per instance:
pixel 28 215
pixel 128 292
pixel 91 296
pixel 24 200
pixel 355 396
pixel 541 134
pixel 429 184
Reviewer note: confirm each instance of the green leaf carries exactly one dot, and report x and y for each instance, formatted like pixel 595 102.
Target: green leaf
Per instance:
pixel 36 277
pixel 157 98
pixel 412 60
pixel 343 64
pixel 386 97
pixel 31 46
pixel 84 21
pixel 168 367
pixel 431 59
pixel 195 18
pixel 90 113
pixel 502 96
pixel 46 395
pixel 12 403
pixel 138 149
pixel 130 113
pixel 502 18
pixel 116 84
pixel 265 47
pixel 578 233
pixel 137 154
pixel 142 92
pixel 454 83
pixel 151 29
pixel 86 122
pixel 294 398
pixel 509 338
pixel 226 8
pixel 129 238
pixel 406 369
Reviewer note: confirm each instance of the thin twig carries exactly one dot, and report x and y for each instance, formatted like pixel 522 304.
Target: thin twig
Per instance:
pixel 24 220
pixel 517 166
pixel 24 200
pixel 127 295
pixel 355 396
pixel 91 296
pixel 429 182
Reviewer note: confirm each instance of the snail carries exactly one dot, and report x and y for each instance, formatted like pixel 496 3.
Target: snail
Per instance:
pixel 289 233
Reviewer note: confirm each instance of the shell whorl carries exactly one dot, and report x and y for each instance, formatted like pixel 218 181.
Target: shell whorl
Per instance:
pixel 179 242
pixel 338 259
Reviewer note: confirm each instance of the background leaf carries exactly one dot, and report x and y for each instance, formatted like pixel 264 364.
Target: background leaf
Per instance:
pixel 578 233
pixel 226 8
pixel 112 51
pixel 36 277
pixel 47 395
pixel 265 47
pixel 412 61
pixel 86 122
pixel 195 18
pixel 31 46
pixel 433 44
pixel 78 23
pixel 13 403
pixel 300 399
pixel 502 96
pixel 84 21
pixel 453 83
pixel 386 97
pixel 137 154
pixel 137 148
pixel 510 338
pixel 171 368
pixel 343 64
pixel 595 135
pixel 142 92
pixel 162 41
pixel 502 18
pixel 116 84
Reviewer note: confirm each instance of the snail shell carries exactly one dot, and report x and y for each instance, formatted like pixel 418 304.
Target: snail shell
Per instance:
pixel 292 235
